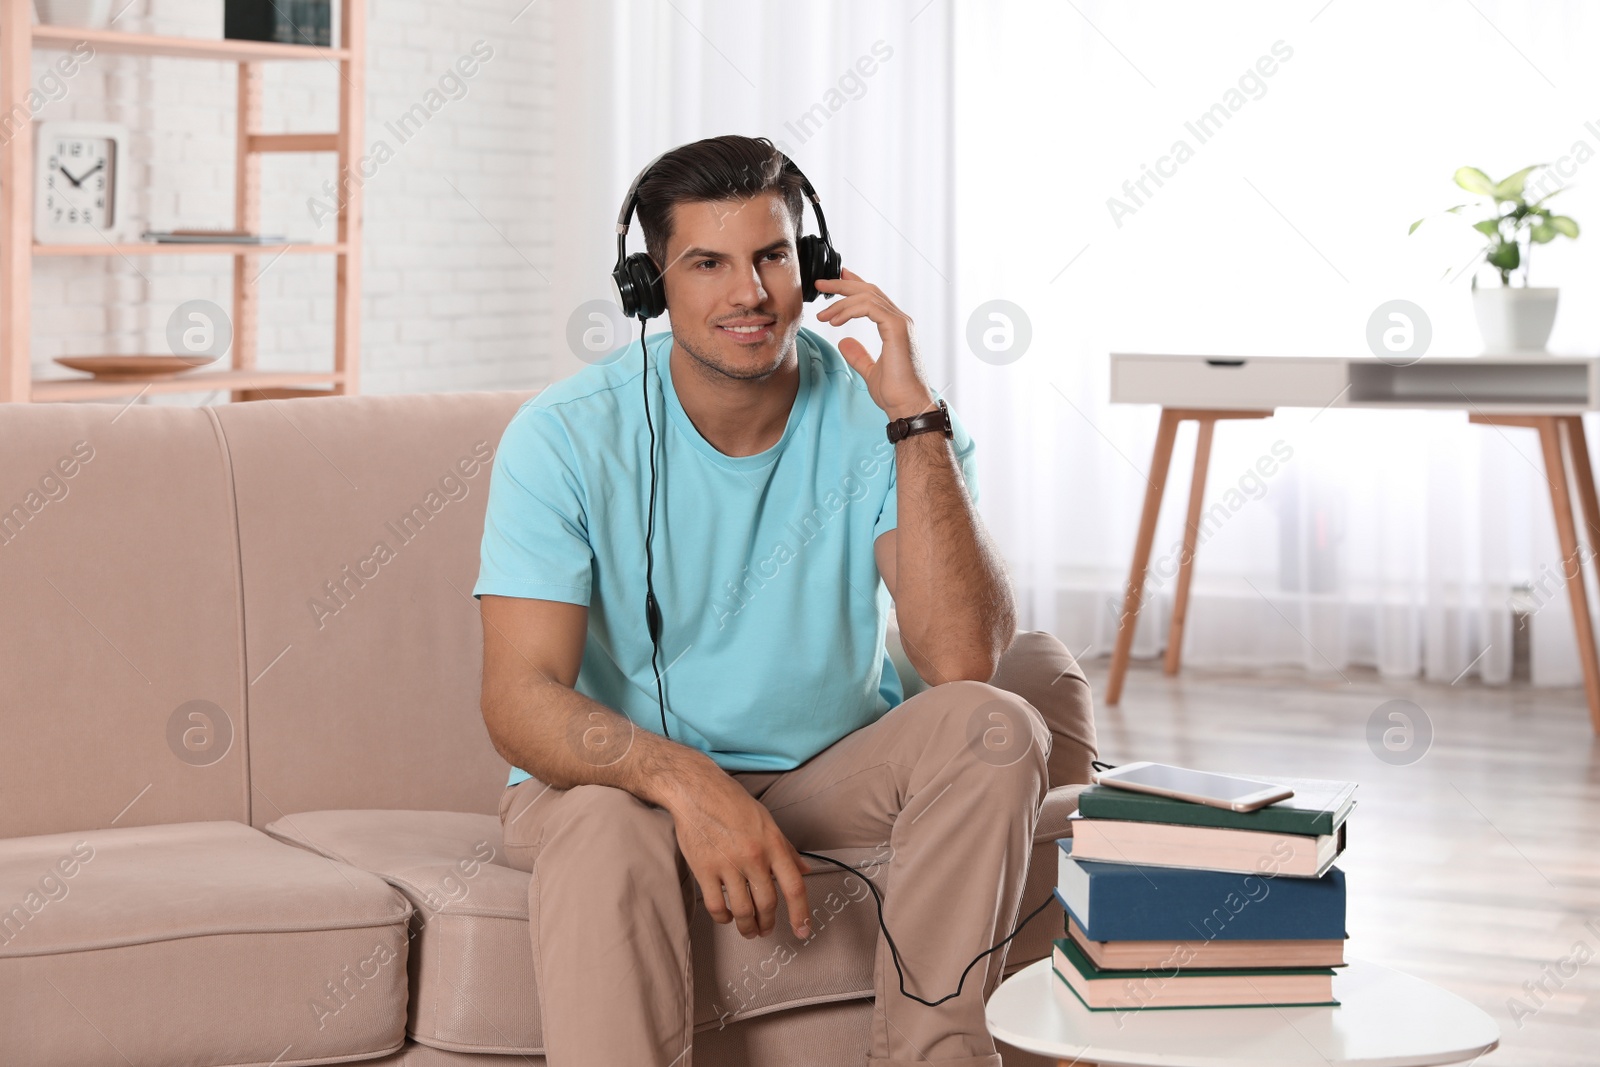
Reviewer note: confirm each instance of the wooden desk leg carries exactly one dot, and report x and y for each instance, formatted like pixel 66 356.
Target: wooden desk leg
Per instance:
pixel 1551 432
pixel 1560 434
pixel 1191 537
pixel 1578 450
pixel 1133 596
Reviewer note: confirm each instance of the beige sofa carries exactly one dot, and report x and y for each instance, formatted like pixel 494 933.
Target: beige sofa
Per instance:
pixel 247 800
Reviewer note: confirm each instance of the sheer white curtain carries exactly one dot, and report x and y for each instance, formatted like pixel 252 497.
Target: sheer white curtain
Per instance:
pixel 857 95
pixel 1390 539
pixel 975 164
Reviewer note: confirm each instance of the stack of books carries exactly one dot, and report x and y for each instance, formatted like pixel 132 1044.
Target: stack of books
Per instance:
pixel 1173 904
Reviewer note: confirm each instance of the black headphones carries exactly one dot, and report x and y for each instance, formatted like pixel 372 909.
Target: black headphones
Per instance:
pixel 643 296
pixel 640 291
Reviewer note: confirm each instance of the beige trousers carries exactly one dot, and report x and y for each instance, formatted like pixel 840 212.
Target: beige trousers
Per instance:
pixel 951 779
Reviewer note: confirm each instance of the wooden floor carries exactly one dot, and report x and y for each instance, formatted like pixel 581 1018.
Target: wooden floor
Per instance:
pixel 1475 866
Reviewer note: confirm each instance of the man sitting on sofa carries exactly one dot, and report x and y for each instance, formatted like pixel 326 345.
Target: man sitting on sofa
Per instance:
pixel 770 719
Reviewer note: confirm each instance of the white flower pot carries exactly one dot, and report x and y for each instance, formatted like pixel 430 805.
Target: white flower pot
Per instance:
pixel 1515 320
pixel 83 14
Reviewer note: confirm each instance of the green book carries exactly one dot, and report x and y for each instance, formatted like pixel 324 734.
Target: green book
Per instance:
pixel 1178 987
pixel 1319 806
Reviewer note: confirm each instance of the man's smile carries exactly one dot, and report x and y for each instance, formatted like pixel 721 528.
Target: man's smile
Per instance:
pixel 748 331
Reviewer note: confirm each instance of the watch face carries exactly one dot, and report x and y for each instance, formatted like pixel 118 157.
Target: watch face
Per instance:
pixel 78 182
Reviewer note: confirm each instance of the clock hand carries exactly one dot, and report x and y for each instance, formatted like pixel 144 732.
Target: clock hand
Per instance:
pixel 75 182
pixel 85 175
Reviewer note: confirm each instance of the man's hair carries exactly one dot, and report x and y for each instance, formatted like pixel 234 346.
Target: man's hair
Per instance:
pixel 717 168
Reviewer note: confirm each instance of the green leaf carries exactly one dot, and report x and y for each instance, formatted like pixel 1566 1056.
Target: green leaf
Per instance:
pixel 1511 188
pixel 1414 226
pixel 1564 225
pixel 1488 227
pixel 1504 256
pixel 1474 180
pixel 1457 209
pixel 1543 233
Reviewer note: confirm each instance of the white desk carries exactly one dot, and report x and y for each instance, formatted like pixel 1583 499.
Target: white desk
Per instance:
pixel 1544 393
pixel 1384 1019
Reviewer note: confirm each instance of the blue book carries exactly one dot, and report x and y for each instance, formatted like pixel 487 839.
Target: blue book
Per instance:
pixel 1139 902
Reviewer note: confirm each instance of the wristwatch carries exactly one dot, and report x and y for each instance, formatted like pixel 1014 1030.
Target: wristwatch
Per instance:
pixel 936 419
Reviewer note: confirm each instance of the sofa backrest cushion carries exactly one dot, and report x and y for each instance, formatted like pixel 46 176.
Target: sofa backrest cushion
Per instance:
pixel 121 637
pixel 360 521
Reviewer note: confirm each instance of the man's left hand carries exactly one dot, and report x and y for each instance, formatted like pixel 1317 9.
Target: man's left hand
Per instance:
pixel 894 380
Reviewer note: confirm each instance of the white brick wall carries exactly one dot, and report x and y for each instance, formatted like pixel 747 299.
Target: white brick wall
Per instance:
pixel 449 299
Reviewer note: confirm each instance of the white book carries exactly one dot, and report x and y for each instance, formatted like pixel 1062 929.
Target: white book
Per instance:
pixel 1211 848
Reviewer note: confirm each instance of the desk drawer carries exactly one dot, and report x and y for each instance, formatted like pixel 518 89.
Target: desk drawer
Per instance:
pixel 1225 382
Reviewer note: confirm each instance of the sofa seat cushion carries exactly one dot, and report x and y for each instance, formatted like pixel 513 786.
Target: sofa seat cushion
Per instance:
pixel 200 943
pixel 471 964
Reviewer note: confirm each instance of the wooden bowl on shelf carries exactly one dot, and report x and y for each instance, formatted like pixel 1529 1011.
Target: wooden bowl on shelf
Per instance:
pixel 122 368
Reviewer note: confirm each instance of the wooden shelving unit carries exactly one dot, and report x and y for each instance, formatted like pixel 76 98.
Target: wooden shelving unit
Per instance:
pixel 149 249
pixel 19 39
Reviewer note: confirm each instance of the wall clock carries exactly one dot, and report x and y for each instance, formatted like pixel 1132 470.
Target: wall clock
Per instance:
pixel 77 189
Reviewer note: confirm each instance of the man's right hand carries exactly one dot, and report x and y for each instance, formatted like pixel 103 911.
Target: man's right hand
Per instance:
pixel 732 844
pixel 532 650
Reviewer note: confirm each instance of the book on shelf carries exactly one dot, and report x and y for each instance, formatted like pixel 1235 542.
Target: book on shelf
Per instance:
pixel 1201 952
pixel 1100 989
pixel 1319 806
pixel 1212 848
pixel 1140 902
pixel 219 237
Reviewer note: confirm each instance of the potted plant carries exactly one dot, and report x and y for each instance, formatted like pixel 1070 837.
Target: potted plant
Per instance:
pixel 1512 319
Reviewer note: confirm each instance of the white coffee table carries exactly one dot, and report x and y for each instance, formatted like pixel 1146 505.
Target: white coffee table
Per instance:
pixel 1384 1019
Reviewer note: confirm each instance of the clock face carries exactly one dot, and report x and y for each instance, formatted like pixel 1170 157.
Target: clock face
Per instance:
pixel 79 175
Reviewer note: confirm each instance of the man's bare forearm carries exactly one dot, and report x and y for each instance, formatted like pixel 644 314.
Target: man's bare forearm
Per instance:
pixel 564 739
pixel 953 599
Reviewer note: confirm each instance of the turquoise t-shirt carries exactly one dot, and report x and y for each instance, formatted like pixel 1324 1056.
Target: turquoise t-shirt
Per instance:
pixel 773 611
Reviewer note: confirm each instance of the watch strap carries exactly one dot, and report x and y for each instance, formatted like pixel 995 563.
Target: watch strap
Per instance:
pixel 937 418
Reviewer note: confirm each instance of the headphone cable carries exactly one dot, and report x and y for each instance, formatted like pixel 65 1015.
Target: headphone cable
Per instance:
pixel 652 611
pixel 895 952
pixel 653 620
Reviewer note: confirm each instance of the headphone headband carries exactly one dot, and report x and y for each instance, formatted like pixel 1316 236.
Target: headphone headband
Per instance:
pixel 630 202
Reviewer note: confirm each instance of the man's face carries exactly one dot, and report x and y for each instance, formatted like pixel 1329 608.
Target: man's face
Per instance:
pixel 732 264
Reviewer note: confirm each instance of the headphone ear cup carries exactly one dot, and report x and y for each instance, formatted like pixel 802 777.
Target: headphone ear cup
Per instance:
pixel 818 260
pixel 639 287
pixel 624 292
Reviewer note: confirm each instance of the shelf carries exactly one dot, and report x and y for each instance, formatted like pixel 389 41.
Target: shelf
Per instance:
pixel 152 248
pixel 49 389
pixel 65 37
pixel 291 142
